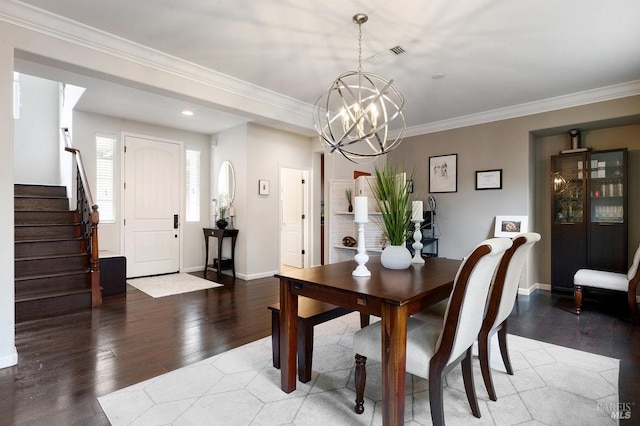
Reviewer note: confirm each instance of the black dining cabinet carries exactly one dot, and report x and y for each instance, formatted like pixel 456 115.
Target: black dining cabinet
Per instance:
pixel 589 214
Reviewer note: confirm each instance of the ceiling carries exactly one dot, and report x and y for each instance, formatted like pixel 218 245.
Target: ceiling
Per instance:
pixel 462 58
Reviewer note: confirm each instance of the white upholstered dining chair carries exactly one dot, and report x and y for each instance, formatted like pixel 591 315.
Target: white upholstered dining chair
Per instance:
pixel 431 351
pixel 502 297
pixel 617 281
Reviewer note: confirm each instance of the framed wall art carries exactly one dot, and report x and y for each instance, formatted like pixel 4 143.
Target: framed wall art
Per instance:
pixel 489 179
pixel 443 173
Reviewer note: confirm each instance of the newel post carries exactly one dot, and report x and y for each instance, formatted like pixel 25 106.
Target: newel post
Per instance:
pixel 94 263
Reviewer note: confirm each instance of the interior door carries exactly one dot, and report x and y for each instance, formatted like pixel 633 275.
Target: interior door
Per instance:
pixel 151 206
pixel 292 229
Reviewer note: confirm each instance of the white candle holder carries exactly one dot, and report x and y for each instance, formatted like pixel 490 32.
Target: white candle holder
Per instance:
pixel 361 257
pixel 417 243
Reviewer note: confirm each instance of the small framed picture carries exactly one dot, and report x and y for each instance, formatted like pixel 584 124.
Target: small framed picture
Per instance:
pixel 443 173
pixel 489 179
pixel 510 226
pixel 263 187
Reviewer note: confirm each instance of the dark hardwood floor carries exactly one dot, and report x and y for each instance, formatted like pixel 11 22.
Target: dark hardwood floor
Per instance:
pixel 67 362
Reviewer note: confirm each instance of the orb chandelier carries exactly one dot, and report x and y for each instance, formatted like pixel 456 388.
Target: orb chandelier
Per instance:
pixel 357 112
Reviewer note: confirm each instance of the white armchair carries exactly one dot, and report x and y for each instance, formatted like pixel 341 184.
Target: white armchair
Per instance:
pixel 627 283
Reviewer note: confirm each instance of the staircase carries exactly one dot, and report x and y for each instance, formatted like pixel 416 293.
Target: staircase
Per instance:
pixel 51 261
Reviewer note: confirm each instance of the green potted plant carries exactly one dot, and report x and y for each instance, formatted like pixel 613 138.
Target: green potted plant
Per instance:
pixel 391 192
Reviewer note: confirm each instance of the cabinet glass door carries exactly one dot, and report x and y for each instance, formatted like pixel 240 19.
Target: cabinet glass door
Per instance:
pixel 607 187
pixel 568 180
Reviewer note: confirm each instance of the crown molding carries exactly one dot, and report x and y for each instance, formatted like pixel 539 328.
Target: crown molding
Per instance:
pixel 61 28
pixel 41 21
pixel 601 94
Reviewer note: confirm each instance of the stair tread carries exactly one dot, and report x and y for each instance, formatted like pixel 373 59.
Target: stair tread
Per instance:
pixel 45 225
pixel 53 256
pixel 51 240
pixel 51 275
pixel 39 196
pixel 51 294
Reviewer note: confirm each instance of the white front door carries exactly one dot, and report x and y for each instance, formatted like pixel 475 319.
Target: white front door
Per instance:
pixel 292 228
pixel 151 206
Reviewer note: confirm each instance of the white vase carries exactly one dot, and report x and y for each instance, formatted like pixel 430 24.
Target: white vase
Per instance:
pixel 395 257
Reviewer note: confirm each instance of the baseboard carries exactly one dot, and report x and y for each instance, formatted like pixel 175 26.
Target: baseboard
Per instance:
pixel 260 275
pixel 537 286
pixel 10 359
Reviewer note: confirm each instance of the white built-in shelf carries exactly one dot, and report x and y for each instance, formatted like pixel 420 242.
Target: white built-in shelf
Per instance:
pixel 351 213
pixel 369 249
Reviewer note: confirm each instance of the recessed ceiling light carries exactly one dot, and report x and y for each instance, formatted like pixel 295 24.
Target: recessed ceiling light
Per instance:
pixel 187 112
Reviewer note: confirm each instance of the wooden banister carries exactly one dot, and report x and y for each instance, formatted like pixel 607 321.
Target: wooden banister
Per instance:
pixel 92 217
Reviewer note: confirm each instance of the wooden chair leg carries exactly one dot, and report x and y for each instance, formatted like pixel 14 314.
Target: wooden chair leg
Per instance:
pixel 502 341
pixel 484 347
pixel 435 397
pixel 633 305
pixel 360 379
pixel 467 375
pixel 577 297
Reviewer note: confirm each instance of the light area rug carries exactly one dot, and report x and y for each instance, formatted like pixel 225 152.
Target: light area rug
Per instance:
pixel 170 284
pixel 552 385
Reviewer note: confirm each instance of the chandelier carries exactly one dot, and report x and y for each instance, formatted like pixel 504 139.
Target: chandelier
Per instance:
pixel 355 113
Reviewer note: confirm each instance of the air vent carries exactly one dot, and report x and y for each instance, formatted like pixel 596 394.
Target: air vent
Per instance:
pixel 386 55
pixel 397 50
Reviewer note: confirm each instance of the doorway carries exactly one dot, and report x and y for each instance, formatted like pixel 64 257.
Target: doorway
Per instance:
pixel 293 206
pixel 151 206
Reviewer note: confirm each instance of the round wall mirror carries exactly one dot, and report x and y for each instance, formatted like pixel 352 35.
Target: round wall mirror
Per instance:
pixel 226 182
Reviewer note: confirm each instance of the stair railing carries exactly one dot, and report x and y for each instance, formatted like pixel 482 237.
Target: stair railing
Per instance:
pixel 90 217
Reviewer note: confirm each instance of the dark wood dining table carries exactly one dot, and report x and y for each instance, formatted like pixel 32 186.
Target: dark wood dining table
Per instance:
pixel 392 295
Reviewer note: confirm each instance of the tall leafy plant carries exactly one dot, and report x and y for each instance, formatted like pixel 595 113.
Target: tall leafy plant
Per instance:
pixel 391 191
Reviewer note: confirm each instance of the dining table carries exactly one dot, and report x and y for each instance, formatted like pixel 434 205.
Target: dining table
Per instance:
pixel 391 295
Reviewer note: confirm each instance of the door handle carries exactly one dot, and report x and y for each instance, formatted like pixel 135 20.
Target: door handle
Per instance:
pixel 175 221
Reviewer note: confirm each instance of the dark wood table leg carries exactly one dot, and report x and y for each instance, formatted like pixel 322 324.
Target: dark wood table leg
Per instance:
pixel 275 338
pixel 220 240
pixel 288 336
pixel 233 256
pixel 206 253
pixel 394 357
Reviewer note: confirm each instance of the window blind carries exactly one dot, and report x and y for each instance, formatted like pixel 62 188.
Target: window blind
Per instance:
pixel 105 166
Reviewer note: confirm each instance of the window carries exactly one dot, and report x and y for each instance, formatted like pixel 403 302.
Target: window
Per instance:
pixel 193 186
pixel 105 167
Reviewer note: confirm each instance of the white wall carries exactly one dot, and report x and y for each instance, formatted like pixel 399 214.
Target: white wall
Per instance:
pixel 8 354
pixel 257 152
pixel 85 127
pixel 37 150
pixel 269 149
pixel 231 145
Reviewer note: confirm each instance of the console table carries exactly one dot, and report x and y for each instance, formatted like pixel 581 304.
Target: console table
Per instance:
pixel 220 263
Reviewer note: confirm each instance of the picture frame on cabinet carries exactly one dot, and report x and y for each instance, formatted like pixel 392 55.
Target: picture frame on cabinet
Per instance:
pixel 443 173
pixel 510 226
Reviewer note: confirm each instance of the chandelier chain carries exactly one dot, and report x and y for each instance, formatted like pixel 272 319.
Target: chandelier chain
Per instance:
pixel 359 48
